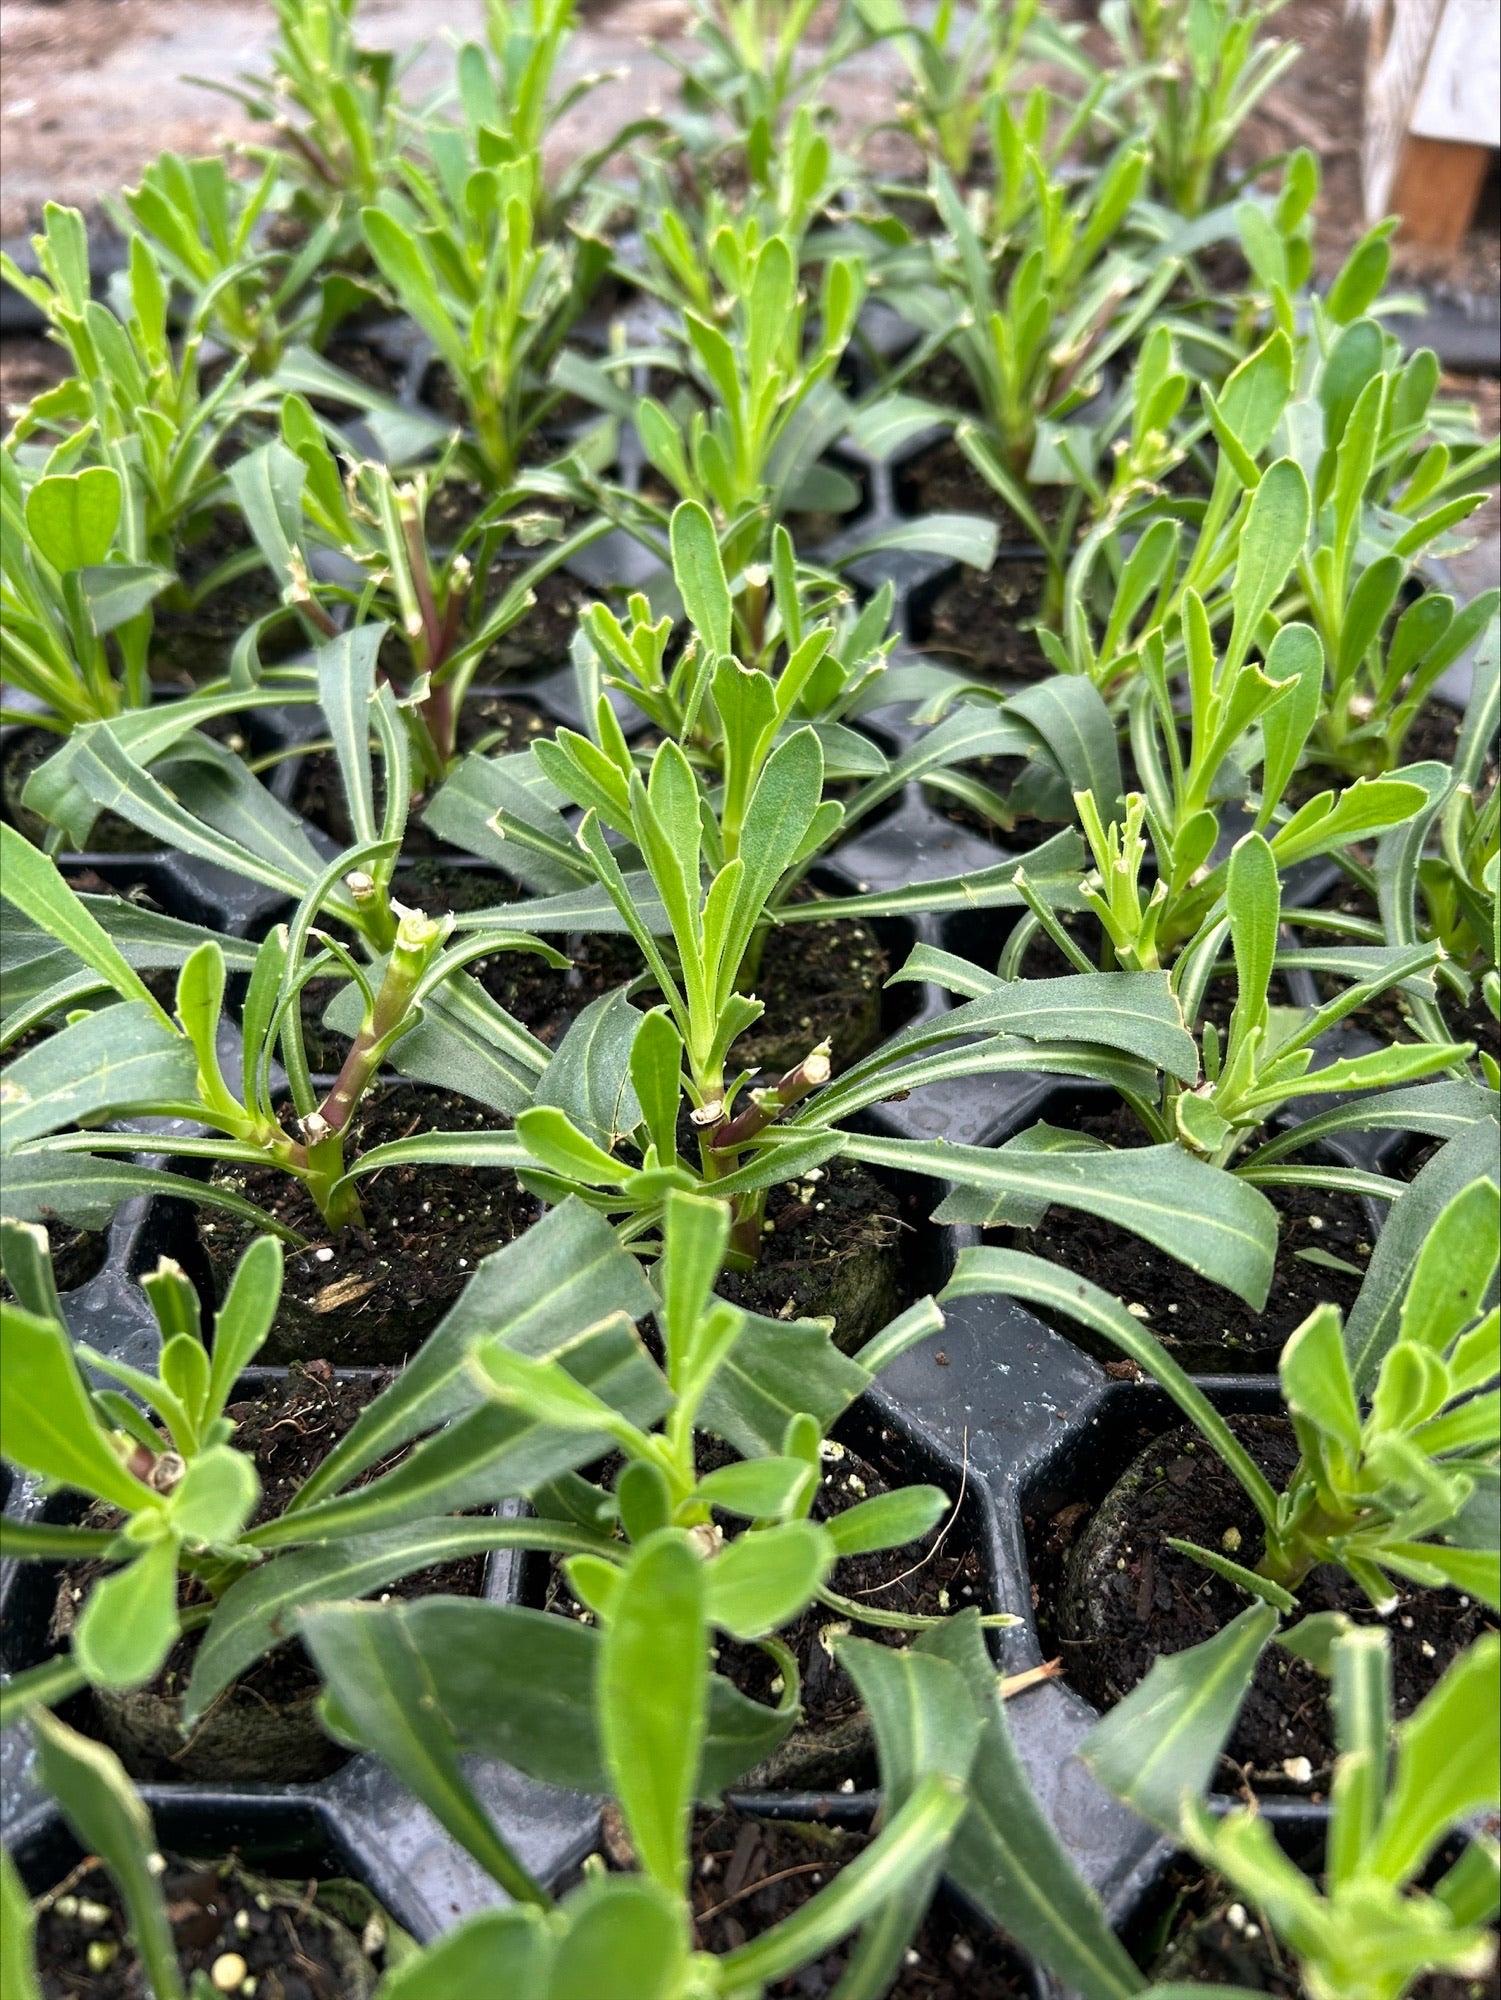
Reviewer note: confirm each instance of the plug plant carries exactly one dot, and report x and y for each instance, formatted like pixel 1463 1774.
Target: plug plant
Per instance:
pixel 1044 286
pixel 136 401
pixel 312 513
pixel 207 231
pixel 459 245
pixel 401 959
pixel 75 610
pixel 335 107
pixel 959 69
pixel 1193 72
pixel 1398 1487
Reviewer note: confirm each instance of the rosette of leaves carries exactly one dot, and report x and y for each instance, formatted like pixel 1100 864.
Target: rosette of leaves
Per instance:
pixel 136 401
pixel 75 609
pixel 1395 1412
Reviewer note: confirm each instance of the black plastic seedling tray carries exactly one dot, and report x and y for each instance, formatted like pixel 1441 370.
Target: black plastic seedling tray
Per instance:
pixel 997 1406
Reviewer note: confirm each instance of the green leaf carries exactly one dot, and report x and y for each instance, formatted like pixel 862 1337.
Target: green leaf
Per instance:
pixel 1375 1317
pixel 1209 1220
pixel 1315 1378
pixel 758 1489
pixel 764 1579
pixel 977 1271
pixel 625 1941
pixel 47 1420
pixel 258 1610
pixel 1253 899
pixel 653 1701
pixel 1162 1743
pixel 383 1699
pixel 72 516
pixel 887 1521
pixel 129 1623
pixel 698 571
pixel 18 1973
pixel 1454 1268
pixel 111 1063
pixel 244 1319
pixel 498 1951
pixel 36 887
pixel 1271 540
pixel 346 690
pixel 71 1187
pixel 589 1077
pixel 656 1068
pixel 107 1815
pixel 1448 1752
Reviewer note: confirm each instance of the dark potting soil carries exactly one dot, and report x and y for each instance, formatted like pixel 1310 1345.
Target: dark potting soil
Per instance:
pixel 374 1293
pixel 368 362
pixel 820 981
pixel 1204 1327
pixel 1215 1939
pixel 834 1242
pixel 290 1947
pixel 750 1874
pixel 977 623
pixel 193 644
pixel 1112 1597
pixel 262 1726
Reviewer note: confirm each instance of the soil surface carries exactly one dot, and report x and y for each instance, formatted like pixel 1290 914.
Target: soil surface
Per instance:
pixel 373 1294
pixel 263 1726
pixel 290 1947
pixel 193 644
pixel 1216 1939
pixel 835 1242
pixel 750 1874
pixel 1112 1597
pixel 1203 1326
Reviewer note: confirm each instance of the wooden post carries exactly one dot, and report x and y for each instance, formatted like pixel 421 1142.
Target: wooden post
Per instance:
pixel 1431 113
pixel 1437 186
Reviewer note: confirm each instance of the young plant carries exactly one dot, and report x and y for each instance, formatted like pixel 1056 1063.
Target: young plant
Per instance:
pixel 1401 1487
pixel 1194 70
pixel 206 230
pixel 959 69
pixel 1242 710
pixel 752 68
pixel 1380 1924
pixel 460 248
pixel 335 108
pixel 1393 1903
pixel 1445 889
pixel 313 514
pixel 135 1058
pixel 136 401
pixel 75 610
pixel 1044 285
